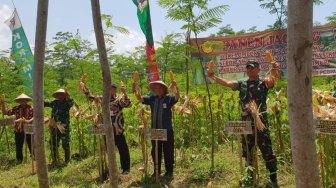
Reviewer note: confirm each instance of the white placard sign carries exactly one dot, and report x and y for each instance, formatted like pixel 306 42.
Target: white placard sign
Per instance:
pixel 29 129
pixel 158 134
pixel 96 129
pixel 325 127
pixel 238 127
pixel 7 122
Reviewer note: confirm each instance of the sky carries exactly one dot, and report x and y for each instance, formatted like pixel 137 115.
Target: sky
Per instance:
pixel 73 15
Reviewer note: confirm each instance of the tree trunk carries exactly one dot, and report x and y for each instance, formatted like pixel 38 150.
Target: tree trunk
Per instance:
pixel 187 53
pixel 113 170
pixel 40 41
pixel 299 63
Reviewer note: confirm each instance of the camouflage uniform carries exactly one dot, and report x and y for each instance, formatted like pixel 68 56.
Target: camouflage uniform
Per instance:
pixel 60 113
pixel 257 90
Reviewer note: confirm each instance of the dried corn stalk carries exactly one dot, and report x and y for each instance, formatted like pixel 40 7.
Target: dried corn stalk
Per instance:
pixel 254 109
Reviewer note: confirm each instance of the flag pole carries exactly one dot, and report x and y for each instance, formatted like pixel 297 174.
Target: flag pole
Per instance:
pixel 13 4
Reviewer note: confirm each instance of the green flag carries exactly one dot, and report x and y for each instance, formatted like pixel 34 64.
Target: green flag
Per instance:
pixel 21 51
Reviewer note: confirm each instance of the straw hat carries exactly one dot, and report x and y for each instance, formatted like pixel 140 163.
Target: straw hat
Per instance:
pixel 151 84
pixel 58 91
pixel 22 96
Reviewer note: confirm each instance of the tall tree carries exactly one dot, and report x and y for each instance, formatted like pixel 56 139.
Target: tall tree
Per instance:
pixel 170 55
pixel 184 11
pixel 97 23
pixel 331 19
pixel 279 7
pixel 299 63
pixel 40 41
pixel 67 50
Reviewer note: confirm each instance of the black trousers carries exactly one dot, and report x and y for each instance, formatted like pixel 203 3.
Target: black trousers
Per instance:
pixel 19 140
pixel 168 150
pixel 124 154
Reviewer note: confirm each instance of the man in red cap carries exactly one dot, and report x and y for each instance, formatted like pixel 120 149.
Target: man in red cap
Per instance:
pixel 23 115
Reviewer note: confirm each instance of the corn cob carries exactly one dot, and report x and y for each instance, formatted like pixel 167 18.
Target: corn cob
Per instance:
pixel 171 75
pixel 135 76
pixel 211 65
pixel 269 57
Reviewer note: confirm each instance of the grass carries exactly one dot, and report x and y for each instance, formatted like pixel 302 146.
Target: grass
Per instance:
pixel 192 169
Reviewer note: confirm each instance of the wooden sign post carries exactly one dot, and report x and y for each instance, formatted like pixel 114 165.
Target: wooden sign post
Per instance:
pixel 239 128
pixel 29 129
pixel 3 123
pixel 325 127
pixel 99 131
pixel 157 135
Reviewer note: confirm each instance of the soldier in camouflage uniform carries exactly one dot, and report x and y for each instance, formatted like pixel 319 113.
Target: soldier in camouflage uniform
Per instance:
pixel 60 121
pixel 254 89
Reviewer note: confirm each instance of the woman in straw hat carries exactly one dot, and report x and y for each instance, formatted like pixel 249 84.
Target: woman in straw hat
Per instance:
pixel 59 123
pixel 23 114
pixel 161 118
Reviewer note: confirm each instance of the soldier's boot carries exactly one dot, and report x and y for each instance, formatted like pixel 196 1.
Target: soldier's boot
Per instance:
pixel 272 167
pixel 66 156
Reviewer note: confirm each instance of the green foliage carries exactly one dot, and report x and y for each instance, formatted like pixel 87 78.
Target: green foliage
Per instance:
pixel 331 19
pixel 10 80
pixel 184 10
pixel 171 54
pixel 278 7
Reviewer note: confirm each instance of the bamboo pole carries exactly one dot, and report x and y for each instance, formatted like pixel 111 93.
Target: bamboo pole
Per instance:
pixel 32 152
pixel 156 160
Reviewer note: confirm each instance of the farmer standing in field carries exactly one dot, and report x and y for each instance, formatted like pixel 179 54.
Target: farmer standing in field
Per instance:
pixel 59 124
pixel 117 104
pixel 161 118
pixel 255 89
pixel 23 115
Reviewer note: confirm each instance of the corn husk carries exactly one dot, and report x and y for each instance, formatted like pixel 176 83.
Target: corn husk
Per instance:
pixel 60 127
pixel 183 108
pixel 52 123
pixel 278 94
pixel 20 122
pixel 195 102
pixel 254 109
pixel 324 98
